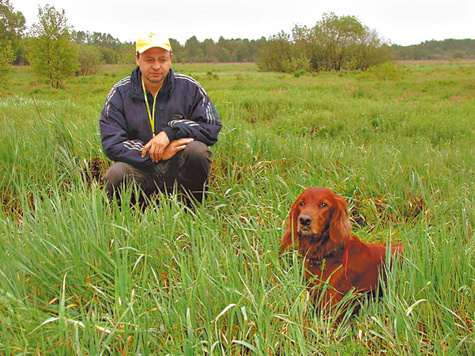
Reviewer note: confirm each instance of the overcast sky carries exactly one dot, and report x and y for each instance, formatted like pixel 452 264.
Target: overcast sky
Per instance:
pixel 402 22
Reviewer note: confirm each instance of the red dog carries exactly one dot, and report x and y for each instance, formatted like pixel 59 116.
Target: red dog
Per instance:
pixel 318 222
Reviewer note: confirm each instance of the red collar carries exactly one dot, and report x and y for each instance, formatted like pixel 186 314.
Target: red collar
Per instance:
pixel 345 257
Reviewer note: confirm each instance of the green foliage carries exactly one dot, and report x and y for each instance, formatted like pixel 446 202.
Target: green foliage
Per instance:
pixel 80 276
pixel 225 50
pixel 385 71
pixel 275 53
pixel 12 24
pixel 446 49
pixel 11 27
pixel 96 39
pixel 6 57
pixel 334 43
pixel 89 58
pixel 52 55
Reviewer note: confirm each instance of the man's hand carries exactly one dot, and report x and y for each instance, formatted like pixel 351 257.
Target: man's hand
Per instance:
pixel 156 146
pixel 160 147
pixel 175 146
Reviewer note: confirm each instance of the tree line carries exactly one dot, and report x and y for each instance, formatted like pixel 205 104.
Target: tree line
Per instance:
pixel 56 51
pixel 446 49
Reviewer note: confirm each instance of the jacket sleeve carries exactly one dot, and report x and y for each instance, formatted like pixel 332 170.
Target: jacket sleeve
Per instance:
pixel 113 125
pixel 202 123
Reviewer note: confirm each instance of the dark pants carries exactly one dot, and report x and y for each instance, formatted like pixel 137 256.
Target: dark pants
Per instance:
pixel 187 172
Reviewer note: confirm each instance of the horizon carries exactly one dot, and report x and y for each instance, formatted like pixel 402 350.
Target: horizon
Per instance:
pixel 395 22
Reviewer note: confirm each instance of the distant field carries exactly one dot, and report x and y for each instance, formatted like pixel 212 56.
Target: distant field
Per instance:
pixel 80 276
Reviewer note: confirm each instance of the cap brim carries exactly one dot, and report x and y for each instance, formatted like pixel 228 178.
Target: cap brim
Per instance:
pixel 152 45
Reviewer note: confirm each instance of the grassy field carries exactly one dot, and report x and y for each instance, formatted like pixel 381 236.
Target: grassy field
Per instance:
pixel 80 277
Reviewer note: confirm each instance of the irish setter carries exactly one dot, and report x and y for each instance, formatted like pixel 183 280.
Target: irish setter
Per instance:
pixel 335 261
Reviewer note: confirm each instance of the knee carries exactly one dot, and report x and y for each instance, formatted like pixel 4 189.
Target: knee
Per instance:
pixel 194 166
pixel 117 174
pixel 197 153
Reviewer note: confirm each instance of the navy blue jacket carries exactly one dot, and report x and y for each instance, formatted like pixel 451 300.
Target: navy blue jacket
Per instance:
pixel 183 109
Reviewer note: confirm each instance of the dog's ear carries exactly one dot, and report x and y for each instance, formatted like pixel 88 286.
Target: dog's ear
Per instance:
pixel 340 226
pixel 291 223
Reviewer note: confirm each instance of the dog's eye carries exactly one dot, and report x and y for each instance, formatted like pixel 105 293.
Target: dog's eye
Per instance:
pixel 302 203
pixel 322 205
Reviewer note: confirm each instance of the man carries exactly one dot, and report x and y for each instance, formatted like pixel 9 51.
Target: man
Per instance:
pixel 156 126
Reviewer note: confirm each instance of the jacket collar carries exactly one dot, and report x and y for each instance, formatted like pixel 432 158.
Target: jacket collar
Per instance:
pixel 136 91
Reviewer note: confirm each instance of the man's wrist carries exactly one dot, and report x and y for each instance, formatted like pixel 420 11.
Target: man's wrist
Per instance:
pixel 170 133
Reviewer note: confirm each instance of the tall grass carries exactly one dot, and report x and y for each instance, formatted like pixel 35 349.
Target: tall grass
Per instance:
pixel 80 276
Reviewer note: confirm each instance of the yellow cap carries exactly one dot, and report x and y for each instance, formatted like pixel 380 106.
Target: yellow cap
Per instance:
pixel 152 40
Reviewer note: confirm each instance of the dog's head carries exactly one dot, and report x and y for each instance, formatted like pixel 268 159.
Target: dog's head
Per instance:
pixel 317 215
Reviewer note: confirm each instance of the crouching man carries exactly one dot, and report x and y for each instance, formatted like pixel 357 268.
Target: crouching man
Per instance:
pixel 157 126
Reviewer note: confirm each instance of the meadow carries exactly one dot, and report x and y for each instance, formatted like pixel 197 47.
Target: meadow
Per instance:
pixel 81 277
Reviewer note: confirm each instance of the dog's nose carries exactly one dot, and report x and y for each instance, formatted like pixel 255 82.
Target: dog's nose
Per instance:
pixel 305 220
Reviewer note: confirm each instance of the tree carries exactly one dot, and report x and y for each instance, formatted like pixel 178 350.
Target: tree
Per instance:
pixel 89 58
pixel 446 49
pixel 334 43
pixel 193 50
pixel 275 53
pixel 6 57
pixel 177 50
pixel 52 54
pixel 12 24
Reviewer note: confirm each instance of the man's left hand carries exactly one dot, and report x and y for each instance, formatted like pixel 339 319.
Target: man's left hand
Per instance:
pixel 175 146
pixel 156 146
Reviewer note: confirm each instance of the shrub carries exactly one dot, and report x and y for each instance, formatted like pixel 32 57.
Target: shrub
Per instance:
pixel 384 71
pixel 89 58
pixel 6 57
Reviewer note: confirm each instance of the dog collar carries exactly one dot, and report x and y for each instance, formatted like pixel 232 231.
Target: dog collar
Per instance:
pixel 345 258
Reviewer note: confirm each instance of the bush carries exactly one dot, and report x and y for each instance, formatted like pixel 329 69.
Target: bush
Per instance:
pixel 89 58
pixel 51 53
pixel 334 43
pixel 384 71
pixel 6 57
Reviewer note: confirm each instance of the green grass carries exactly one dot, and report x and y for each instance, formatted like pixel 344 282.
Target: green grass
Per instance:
pixel 80 276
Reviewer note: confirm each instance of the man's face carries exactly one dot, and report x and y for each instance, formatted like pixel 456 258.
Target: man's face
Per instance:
pixel 154 65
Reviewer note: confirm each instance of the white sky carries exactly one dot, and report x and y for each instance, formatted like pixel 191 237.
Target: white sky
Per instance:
pixel 402 22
